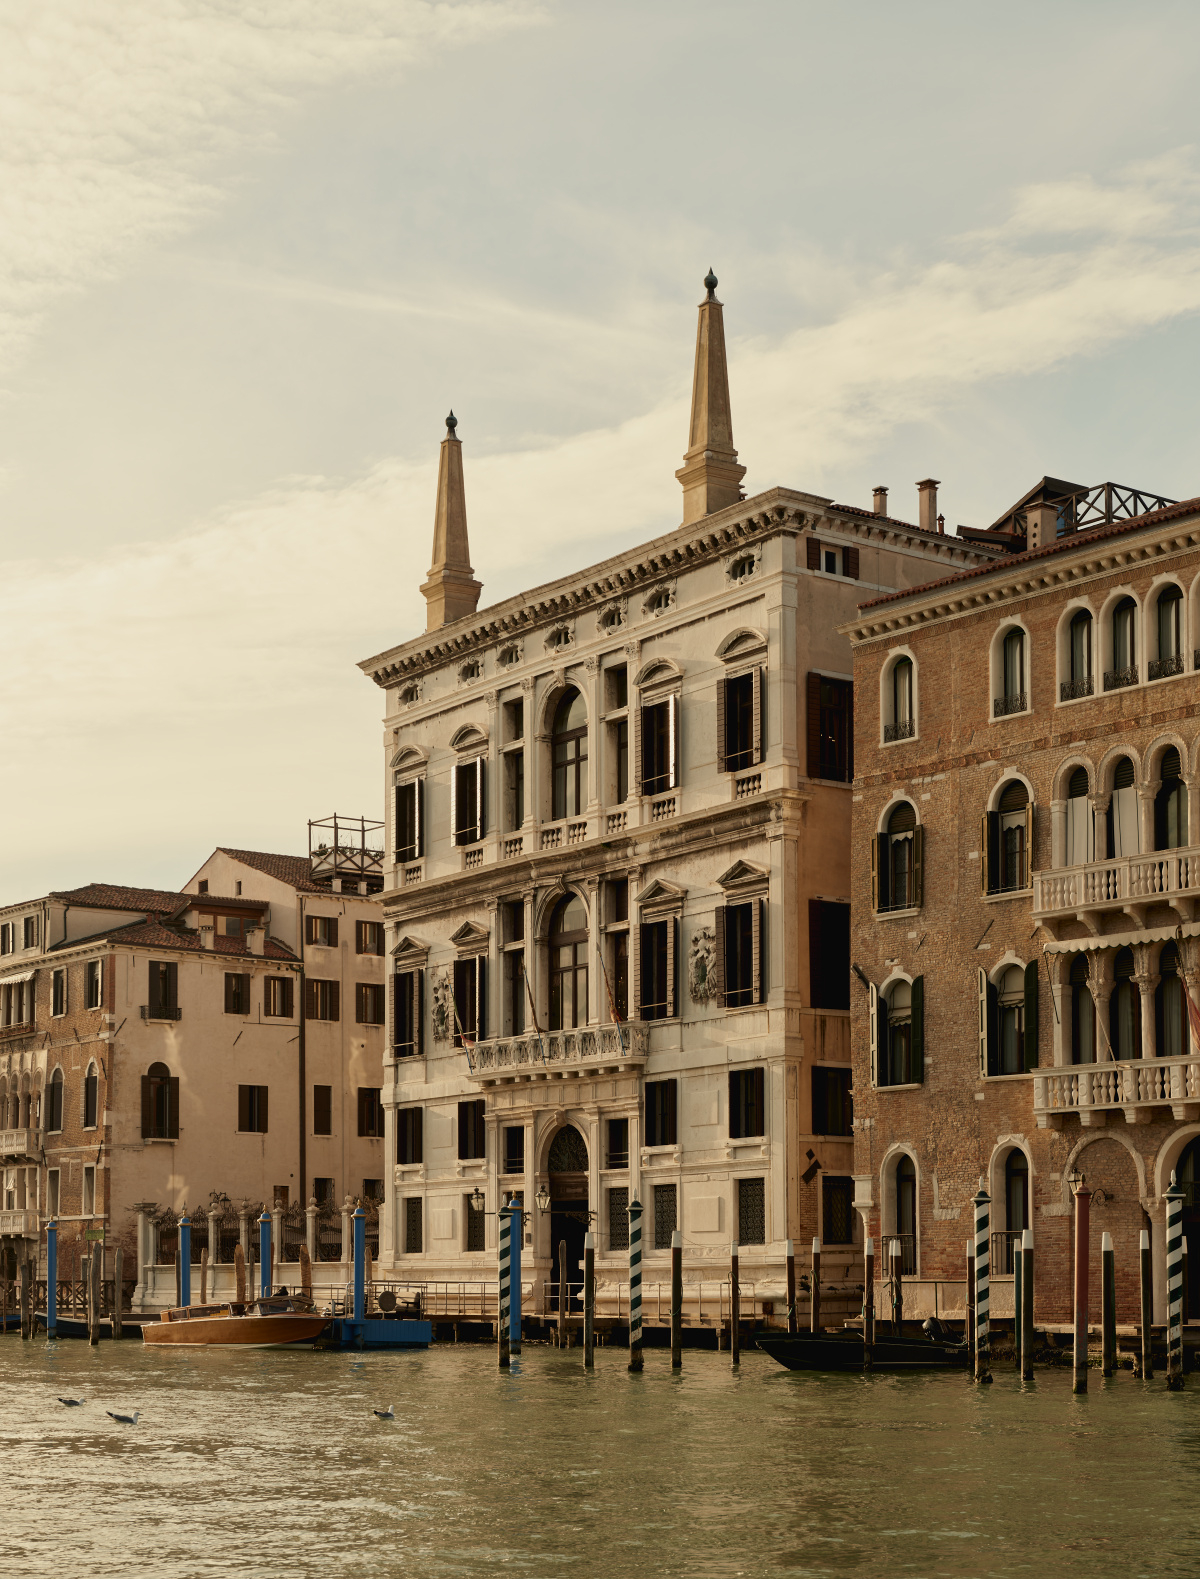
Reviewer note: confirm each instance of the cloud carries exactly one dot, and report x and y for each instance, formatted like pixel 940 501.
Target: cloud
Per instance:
pixel 119 122
pixel 211 680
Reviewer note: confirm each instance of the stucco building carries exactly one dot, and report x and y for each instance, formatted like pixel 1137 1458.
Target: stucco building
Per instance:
pixel 1025 889
pixel 619 875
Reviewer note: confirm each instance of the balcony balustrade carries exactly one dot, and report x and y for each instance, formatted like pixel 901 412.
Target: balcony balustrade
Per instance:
pixel 1117 679
pixel 21 1225
pixel 1162 877
pixel 18 1143
pixel 588 1048
pixel 1133 1086
pixel 1160 668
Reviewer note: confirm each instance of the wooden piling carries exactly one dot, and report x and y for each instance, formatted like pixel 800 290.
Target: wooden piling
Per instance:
pixel 305 1272
pixel 562 1293
pixel 118 1287
pixel 1018 1292
pixel 971 1302
pixel 735 1308
pixel 1027 1305
pixel 204 1276
pixel 868 1302
pixel 95 1267
pixel 239 1274
pixel 1083 1202
pixel 178 1277
pixel 1108 1305
pixel 1147 1292
pixel 676 1300
pixel 589 1301
pixel 897 1280
pixel 26 1313
pixel 814 1310
pixel 791 1286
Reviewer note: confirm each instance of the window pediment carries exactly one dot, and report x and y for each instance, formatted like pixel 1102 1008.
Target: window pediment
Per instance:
pixel 661 895
pixel 743 874
pixel 741 645
pixel 410 952
pixel 469 738
pixel 659 671
pixel 470 937
pixel 409 759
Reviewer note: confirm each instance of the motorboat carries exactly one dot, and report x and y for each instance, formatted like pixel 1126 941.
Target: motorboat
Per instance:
pixel 274 1321
pixel 844 1350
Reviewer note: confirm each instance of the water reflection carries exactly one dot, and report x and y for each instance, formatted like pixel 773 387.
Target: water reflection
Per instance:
pixel 268 1463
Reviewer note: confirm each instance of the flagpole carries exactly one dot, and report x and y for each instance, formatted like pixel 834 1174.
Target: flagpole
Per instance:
pixel 532 1009
pixel 612 1007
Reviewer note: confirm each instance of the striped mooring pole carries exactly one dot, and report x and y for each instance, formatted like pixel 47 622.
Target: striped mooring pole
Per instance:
pixel 358 1222
pixel 514 1304
pixel 635 1284
pixel 1174 1286
pixel 676 1300
pixel 264 1254
pixel 983 1278
pixel 52 1279
pixel 868 1300
pixel 503 1316
pixel 185 1260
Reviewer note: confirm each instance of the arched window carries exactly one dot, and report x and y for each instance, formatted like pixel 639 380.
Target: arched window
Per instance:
pixel 1080 826
pixel 1079 658
pixel 1083 1014
pixel 1125 1009
pixel 1124 646
pixel 1014 697
pixel 54 1101
pixel 1170 804
pixel 1016 1209
pixel 1124 824
pixel 898 861
pixel 568 965
pixel 570 756
pixel 1010 1021
pixel 1170 633
pixel 898 1061
pixel 1008 834
pixel 902 724
pixel 160 1104
pixel 906 1215
pixel 91 1098
pixel 568 1152
pixel 1170 1012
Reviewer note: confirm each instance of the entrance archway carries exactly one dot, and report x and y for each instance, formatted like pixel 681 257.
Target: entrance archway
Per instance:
pixel 567 1166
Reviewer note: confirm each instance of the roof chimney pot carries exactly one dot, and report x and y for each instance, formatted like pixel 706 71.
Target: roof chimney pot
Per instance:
pixel 927 496
pixel 879 500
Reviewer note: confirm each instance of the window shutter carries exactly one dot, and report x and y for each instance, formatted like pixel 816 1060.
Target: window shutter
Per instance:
pixel 672 962
pixel 717 979
pixel 454 803
pixel 758 944
pixel 398 823
pixel 918 1029
pixel 993 1030
pixel 851 563
pixel 814 553
pixel 673 741
pixel 333 934
pixel 310 1000
pixel 262 1109
pixel 1031 1015
pixel 722 755
pixel 243 1107
pixel 310 929
pixel 335 1000
pixel 873 1032
pixel 360 1003
pixel 481 998
pixel 635 750
pixel 418 1134
pixel 759 720
pixel 480 797
pixel 419 815
pixel 1029 845
pixel 146 1110
pixel 635 970
pixel 883 871
pixel 172 986
pixel 362 1110
pixel 813 724
pixel 983 1020
pixel 918 856
pixel 672 1114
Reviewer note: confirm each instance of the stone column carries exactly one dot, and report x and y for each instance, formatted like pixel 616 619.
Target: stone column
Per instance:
pixel 1146 794
pixel 495 781
pixel 533 777
pixel 533 970
pixel 1192 782
pixel 347 1247
pixel 244 1228
pixel 145 1254
pixel 277 1235
pixel 1100 980
pixel 1060 1009
pixel 495 972
pixel 597 742
pixel 1146 979
pixel 311 1213
pixel 1058 833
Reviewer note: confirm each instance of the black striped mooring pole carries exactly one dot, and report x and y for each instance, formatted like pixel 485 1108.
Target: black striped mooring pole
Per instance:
pixel 868 1301
pixel 1174 1286
pixel 1083 1223
pixel 635 1284
pixel 502 1318
pixel 791 1286
pixel 814 1310
pixel 983 1278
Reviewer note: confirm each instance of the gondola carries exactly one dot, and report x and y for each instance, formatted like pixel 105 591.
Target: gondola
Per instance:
pixel 844 1350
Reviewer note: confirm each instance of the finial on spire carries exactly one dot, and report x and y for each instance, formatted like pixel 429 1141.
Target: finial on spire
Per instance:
pixel 710 475
pixel 451 424
pixel 710 284
pixel 450 591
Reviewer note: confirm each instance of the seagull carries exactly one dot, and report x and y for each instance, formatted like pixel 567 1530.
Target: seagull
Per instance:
pixel 124 1419
pixel 72 1403
pixel 385 1414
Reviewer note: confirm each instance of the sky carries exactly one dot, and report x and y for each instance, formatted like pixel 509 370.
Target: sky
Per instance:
pixel 252 252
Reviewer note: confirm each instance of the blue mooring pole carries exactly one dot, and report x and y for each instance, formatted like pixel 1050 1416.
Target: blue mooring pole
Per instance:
pixel 514 1303
pixel 52 1280
pixel 264 1253
pixel 185 1260
pixel 360 1262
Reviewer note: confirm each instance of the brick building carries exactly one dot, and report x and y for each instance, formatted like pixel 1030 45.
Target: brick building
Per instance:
pixel 1025 889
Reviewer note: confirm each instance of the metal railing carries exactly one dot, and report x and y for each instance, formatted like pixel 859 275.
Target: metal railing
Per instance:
pixel 1005 1244
pixel 1115 679
pixel 156 1011
pixel 908 1253
pixel 1072 690
pixel 902 729
pixel 1017 703
pixel 1160 668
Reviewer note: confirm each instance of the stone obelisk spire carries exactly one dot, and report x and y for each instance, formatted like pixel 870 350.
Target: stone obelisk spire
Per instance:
pixel 451 591
pixel 710 474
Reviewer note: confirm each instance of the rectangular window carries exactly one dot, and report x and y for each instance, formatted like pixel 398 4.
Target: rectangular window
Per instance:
pixel 370 1112
pixel 58 993
pixel 658 940
pixel 252 1110
pixel 832 1108
pixel 837 1210
pixel 373 1190
pixel 410 834
pixel 740 721
pixel 618 899
pixel 514 990
pixel 514 720
pixel 666 1219
pixel 237 993
pixel 740 940
pixel 660 746
pixel 91 1099
pixel 53 1192
pixel 618 1219
pixel 747 1112
pixel 409 1135
pixel 412 1225
pixel 31 931
pixel 321 930
pixel 828 954
pixel 471 1133
pixel 752 1216
pixel 661 1110
pixel 322 1110
pixel 476 1224
pixel 160 1104
pixel 514 1149
pixel 618 1143
pixel 514 790
pixel 236 927
pixel 617 681
pixel 323 1192
pixel 830 721
pixel 322 1000
pixel 94 984
pixel 163 990
pixel 369 1006
pixel 89 1192
pixel 470 1001
pixel 618 975
pixel 6 937
pixel 618 747
pixel 468 801
pixel 279 1194
pixel 277 997
pixel 406 1008
pixel 368 937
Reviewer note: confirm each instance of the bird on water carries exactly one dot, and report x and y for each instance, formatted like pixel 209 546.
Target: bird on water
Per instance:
pixel 72 1403
pixel 124 1419
pixel 385 1414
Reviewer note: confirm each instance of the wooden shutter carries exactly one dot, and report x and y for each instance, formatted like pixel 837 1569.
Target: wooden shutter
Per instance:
pixel 672 741
pixel 1031 1015
pixel 480 797
pixel 918 860
pixel 758 1087
pixel 814 553
pixel 759 718
pixel 1028 883
pixel 262 1110
pixel 851 563
pixel 362 1110
pixel 147 1110
pixel 418 1134
pixel 360 1004
pixel 993 1029
pixel 398 824
pixel 671 1116
pixel 672 962
pixel 419 815
pixel 883 871
pixel 917 1030
pixel 335 1000
pixel 873 1031
pixel 454 803
pixel 722 710
pixel 418 1012
pixel 635 749
pixel 758 949
pixel 982 983
pixel 333 933
pixel 717 979
pixel 637 948
pixel 243 1108
pixel 481 998
pixel 813 725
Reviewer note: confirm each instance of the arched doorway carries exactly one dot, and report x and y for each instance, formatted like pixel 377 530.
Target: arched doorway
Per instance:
pixel 567 1165
pixel 1187 1175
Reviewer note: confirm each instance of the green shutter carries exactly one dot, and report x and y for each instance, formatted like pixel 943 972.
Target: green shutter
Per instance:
pixel 1031 1015
pixel 918 1029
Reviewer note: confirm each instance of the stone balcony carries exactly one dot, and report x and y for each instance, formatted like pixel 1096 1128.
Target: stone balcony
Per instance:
pixel 19 1224
pixel 1131 883
pixel 1139 1088
pixel 592 1049
pixel 18 1143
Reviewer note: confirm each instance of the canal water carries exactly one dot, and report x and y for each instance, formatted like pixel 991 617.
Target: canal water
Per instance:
pixel 265 1463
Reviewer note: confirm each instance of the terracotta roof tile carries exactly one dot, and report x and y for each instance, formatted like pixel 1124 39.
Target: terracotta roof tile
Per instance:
pixel 115 896
pixel 152 934
pixel 295 870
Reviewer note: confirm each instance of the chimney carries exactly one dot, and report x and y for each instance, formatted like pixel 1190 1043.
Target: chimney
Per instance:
pixel 207 936
pixel 710 475
pixel 451 591
pixel 256 936
pixel 927 492
pixel 942 524
pixel 1041 525
pixel 879 500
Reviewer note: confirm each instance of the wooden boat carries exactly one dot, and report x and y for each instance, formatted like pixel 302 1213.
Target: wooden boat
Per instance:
pixel 843 1351
pixel 268 1323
